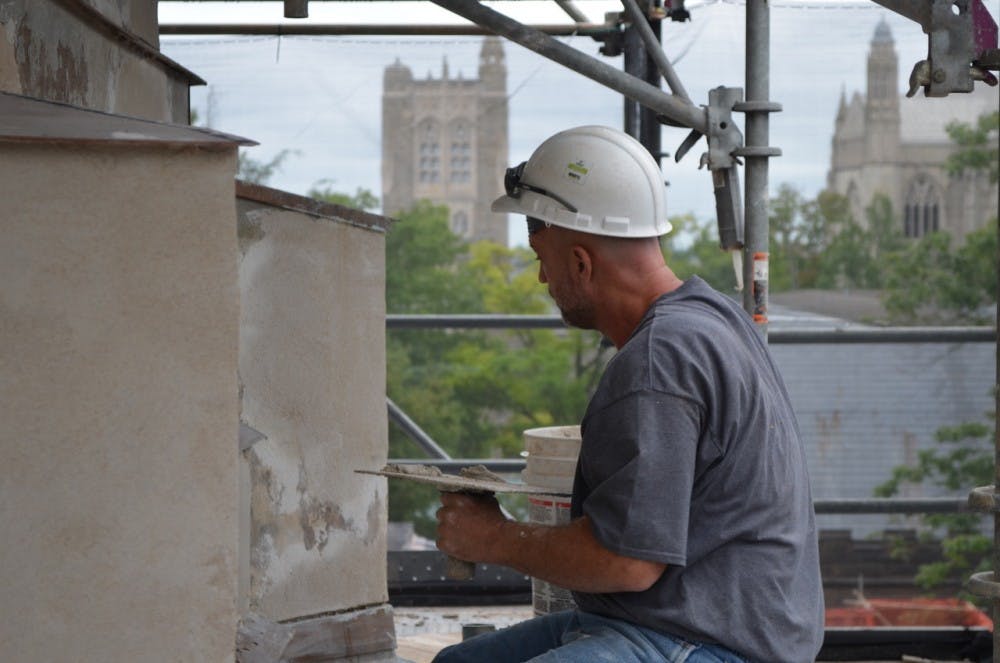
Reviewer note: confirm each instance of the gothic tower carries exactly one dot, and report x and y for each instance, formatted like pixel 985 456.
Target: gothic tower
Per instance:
pixel 882 100
pixel 899 148
pixel 445 139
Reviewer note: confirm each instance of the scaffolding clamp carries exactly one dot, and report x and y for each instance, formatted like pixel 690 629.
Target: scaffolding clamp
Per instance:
pixel 724 143
pixel 984 499
pixel 961 44
pixel 724 136
pixel 983 584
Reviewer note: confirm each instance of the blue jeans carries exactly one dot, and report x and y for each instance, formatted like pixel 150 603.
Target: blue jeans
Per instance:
pixel 580 637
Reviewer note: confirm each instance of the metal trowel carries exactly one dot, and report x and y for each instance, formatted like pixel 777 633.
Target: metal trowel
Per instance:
pixel 476 480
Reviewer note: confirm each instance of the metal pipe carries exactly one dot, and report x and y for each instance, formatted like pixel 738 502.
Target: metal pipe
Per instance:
pixel 480 321
pixel 791 336
pixel 679 110
pixel 342 29
pixel 875 505
pixel 892 505
pixel 885 335
pixel 755 252
pixel 296 8
pixel 415 432
pixel 572 10
pixel 996 462
pixel 654 48
pixel 639 121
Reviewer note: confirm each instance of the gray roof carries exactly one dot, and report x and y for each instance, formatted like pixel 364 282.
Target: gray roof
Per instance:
pixel 923 119
pixel 863 409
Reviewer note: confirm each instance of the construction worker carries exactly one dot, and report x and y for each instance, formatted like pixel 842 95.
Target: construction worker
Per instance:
pixel 692 534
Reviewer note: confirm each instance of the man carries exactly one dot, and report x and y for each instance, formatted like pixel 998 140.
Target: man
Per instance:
pixel 692 535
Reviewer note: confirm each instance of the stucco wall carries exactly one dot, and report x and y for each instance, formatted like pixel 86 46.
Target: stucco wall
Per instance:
pixel 103 55
pixel 118 397
pixel 312 373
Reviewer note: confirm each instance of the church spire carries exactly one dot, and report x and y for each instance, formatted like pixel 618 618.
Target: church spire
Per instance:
pixel 492 64
pixel 883 69
pixel 882 119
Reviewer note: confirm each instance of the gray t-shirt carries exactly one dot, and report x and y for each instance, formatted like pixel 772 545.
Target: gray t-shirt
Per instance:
pixel 691 456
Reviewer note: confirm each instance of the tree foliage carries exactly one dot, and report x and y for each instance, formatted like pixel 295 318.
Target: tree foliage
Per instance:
pixel 474 391
pixel 702 256
pixel 930 282
pixel 256 171
pixel 362 199
pixel 977 146
pixel 962 459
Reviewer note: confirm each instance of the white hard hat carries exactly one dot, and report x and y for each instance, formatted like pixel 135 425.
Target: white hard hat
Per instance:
pixel 592 179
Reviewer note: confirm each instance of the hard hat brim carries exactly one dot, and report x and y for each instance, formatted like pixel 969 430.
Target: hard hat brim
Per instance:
pixel 535 205
pixel 506 205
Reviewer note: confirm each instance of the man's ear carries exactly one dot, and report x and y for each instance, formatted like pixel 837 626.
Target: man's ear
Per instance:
pixel 583 265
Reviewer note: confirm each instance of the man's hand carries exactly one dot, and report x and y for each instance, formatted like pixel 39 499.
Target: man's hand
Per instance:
pixel 472 528
pixel 469 526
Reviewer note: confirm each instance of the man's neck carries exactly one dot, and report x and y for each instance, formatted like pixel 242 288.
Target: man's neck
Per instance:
pixel 630 300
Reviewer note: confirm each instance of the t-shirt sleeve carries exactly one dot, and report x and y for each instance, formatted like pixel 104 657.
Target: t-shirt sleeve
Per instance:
pixel 639 465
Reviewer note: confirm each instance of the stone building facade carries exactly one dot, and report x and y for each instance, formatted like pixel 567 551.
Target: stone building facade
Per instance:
pixel 446 140
pixel 887 143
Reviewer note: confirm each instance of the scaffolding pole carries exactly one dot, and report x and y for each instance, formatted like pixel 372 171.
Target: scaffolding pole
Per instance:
pixel 679 110
pixel 758 83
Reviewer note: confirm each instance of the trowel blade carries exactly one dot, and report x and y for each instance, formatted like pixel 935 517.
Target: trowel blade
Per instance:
pixel 456 483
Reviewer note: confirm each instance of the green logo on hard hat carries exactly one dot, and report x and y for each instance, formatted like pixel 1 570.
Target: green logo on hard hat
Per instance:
pixel 577 171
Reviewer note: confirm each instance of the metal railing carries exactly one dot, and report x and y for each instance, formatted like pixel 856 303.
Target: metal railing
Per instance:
pixel 439 458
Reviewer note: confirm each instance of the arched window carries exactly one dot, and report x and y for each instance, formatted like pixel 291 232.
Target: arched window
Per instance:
pixel 460 163
pixel 429 157
pixel 921 209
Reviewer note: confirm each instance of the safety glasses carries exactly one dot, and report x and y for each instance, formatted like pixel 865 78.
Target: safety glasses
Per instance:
pixel 514 185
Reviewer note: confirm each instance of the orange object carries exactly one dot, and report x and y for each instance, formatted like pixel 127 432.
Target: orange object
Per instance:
pixel 909 612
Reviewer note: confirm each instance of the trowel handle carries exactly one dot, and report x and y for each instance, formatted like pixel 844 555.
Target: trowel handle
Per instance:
pixel 454 568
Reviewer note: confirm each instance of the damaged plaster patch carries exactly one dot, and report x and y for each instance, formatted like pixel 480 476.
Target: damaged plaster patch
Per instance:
pixel 10 79
pixel 375 510
pixel 262 552
pixel 60 76
pixel 265 499
pixel 316 517
pixel 250 228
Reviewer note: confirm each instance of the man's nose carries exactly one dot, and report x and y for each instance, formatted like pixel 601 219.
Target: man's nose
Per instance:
pixel 541 274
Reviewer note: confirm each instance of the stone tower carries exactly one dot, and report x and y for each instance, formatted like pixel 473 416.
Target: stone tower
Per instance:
pixel 886 144
pixel 882 100
pixel 446 140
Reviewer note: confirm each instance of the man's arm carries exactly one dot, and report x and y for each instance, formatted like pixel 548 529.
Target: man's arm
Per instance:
pixel 473 528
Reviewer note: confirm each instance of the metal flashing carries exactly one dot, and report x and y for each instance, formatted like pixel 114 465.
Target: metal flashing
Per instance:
pixel 29 120
pixel 296 203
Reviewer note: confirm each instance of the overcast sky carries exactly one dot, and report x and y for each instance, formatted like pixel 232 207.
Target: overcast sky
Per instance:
pixel 321 96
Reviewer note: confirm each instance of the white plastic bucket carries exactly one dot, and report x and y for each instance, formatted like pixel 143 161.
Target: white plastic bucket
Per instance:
pixel 550 463
pixel 552 454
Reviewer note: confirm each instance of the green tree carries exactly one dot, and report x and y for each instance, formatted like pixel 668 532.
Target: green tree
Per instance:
pixel 962 459
pixel 362 199
pixel 929 282
pixel 702 256
pixel 800 232
pixel 848 260
pixel 784 243
pixel 255 171
pixel 474 391
pixel 977 146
